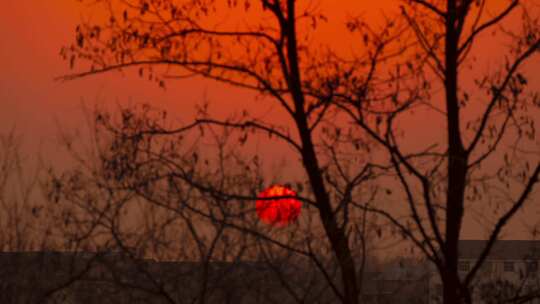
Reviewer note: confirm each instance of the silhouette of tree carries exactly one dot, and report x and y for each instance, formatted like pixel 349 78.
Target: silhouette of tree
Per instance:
pixel 23 217
pixel 28 230
pixel 269 56
pixel 481 117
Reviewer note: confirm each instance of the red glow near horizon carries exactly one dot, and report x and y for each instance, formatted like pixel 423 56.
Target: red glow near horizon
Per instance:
pixel 279 212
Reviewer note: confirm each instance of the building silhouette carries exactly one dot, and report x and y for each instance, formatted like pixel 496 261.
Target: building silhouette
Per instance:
pixel 510 271
pixel 88 278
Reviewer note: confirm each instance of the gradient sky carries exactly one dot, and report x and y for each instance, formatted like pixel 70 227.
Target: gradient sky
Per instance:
pixel 33 32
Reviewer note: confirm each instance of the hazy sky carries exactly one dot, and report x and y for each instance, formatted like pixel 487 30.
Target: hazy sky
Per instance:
pixel 33 31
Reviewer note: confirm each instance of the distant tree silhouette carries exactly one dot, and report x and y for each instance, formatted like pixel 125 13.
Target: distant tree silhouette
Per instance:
pixel 23 215
pixel 339 107
pixel 28 225
pixel 160 197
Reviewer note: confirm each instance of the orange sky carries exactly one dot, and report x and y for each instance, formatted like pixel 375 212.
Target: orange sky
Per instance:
pixel 33 32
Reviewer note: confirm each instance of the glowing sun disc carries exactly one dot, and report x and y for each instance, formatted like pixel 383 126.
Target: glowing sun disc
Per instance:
pixel 280 212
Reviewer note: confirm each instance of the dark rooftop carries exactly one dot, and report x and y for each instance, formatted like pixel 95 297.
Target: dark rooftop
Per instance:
pixel 501 250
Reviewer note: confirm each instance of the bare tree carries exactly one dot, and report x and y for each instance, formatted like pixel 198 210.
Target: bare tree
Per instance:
pixel 270 56
pixel 488 123
pixel 18 207
pixel 26 222
pixel 27 227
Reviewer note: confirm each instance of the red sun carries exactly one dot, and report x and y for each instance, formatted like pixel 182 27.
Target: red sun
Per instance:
pixel 280 212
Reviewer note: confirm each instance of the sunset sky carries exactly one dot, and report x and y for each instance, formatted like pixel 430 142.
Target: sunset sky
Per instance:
pixel 33 103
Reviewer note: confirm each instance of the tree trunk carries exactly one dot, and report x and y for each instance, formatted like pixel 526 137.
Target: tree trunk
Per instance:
pixel 335 234
pixel 457 160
